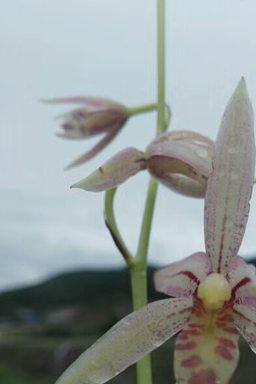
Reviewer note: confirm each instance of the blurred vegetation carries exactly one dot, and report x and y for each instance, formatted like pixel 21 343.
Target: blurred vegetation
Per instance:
pixel 45 327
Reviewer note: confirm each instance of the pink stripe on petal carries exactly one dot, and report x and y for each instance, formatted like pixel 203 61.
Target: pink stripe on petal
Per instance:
pixel 242 279
pixel 230 184
pixel 114 172
pixel 182 278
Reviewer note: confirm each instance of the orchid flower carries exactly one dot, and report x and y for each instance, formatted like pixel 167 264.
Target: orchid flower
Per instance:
pixel 96 116
pixel 214 293
pixel 181 160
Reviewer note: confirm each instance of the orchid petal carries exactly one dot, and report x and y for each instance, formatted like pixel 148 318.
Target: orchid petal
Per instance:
pixel 180 184
pixel 90 102
pixel 182 278
pixel 95 150
pixel 128 341
pixel 206 351
pixel 181 157
pixel 245 321
pixel 230 184
pixel 242 280
pixel 115 171
pixel 183 136
pixel 182 161
pixel 81 124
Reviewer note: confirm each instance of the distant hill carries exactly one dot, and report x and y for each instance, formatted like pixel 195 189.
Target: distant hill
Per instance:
pixel 74 288
pixel 94 287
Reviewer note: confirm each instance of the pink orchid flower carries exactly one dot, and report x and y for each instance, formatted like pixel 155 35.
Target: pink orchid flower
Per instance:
pixel 214 292
pixel 181 160
pixel 96 116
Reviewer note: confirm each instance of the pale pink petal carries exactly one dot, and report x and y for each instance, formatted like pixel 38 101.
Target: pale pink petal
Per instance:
pixel 81 124
pixel 90 102
pixel 181 161
pixel 183 136
pixel 180 183
pixel 128 341
pixel 230 184
pixel 95 150
pixel 115 171
pixel 206 351
pixel 241 277
pixel 245 321
pixel 182 278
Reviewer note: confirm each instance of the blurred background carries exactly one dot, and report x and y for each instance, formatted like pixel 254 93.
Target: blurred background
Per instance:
pixel 62 281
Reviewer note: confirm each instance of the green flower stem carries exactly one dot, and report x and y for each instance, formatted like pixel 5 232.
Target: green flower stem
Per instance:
pixel 138 264
pixel 112 226
pixel 139 268
pixel 142 109
pixel 161 126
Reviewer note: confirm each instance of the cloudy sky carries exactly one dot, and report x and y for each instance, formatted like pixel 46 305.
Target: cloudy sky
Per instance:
pixel 106 48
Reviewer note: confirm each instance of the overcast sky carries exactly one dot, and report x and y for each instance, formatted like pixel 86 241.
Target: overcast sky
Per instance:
pixel 106 48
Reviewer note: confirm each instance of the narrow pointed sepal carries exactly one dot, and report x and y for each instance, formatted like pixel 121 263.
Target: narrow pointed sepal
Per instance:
pixel 128 341
pixel 182 278
pixel 114 172
pixel 206 351
pixel 94 150
pixel 229 187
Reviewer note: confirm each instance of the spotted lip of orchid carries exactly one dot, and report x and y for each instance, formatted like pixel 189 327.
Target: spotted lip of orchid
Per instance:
pixel 213 293
pixel 95 116
pixel 180 160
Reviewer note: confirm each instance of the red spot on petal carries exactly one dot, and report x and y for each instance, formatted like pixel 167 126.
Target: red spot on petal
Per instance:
pixel 170 315
pixel 184 310
pixel 67 126
pixel 192 361
pixel 192 332
pixel 186 346
pixel 223 352
pixel 227 317
pixel 231 330
pixel 204 376
pixel 78 114
pixel 193 325
pixel 227 343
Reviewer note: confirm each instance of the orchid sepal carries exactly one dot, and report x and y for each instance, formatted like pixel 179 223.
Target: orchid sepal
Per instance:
pixel 229 187
pixel 128 341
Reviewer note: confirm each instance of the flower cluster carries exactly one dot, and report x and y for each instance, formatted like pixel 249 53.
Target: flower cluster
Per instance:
pixel 213 292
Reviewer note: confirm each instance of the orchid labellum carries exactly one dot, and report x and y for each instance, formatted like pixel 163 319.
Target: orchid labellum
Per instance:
pixel 214 293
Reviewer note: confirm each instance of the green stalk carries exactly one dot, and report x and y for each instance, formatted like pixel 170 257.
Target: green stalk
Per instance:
pixel 138 264
pixel 139 267
pixel 142 109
